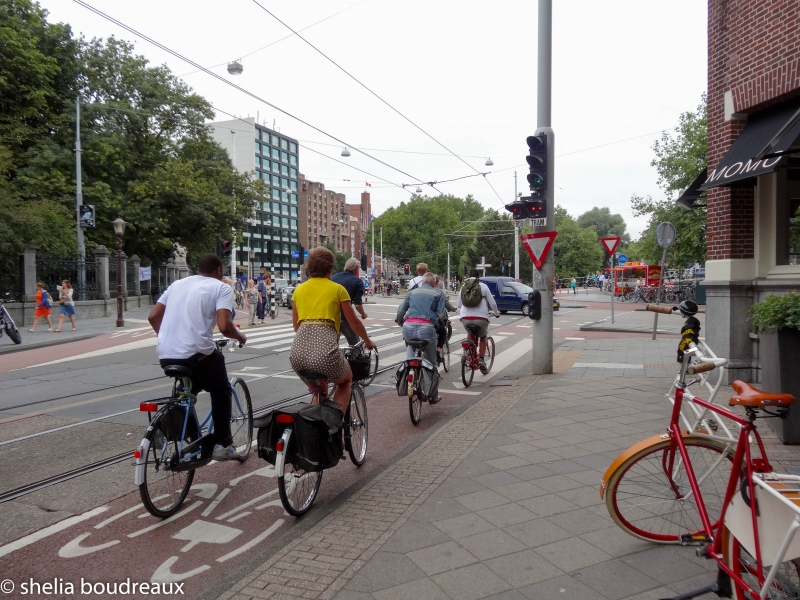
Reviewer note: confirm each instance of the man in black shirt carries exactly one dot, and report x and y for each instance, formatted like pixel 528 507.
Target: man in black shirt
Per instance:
pixel 350 281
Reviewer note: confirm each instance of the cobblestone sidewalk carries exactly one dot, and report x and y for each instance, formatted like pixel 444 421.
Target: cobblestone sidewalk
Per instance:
pixel 503 502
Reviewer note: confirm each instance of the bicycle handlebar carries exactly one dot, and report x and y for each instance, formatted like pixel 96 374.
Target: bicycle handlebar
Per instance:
pixel 701 368
pixel 661 308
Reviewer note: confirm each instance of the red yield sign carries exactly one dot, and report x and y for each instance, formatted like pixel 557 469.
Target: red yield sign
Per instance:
pixel 610 244
pixel 538 246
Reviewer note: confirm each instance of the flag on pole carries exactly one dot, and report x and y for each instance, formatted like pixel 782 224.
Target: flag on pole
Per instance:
pixel 368 184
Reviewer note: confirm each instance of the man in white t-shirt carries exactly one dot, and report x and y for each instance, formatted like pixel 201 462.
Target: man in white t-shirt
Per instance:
pixel 477 317
pixel 422 268
pixel 184 318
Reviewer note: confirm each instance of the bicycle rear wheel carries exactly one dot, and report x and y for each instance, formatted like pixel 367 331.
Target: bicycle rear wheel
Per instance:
pixel 415 400
pixel 355 426
pixel 785 586
pixel 467 373
pixel 298 488
pixel 162 484
pixel 488 358
pixel 642 500
pixel 449 331
pixel 241 418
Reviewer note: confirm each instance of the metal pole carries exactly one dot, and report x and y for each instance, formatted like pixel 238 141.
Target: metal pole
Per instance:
pixel 383 267
pixel 373 253
pixel 613 287
pixel 120 320
pixel 233 229
pixel 516 235
pixel 483 264
pixel 79 202
pixel 542 338
pixel 658 296
pixel 448 265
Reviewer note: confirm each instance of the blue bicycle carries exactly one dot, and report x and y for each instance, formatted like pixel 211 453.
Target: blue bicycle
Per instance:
pixel 176 442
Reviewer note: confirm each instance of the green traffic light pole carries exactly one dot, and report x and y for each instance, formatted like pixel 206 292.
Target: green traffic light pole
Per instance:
pixel 542 352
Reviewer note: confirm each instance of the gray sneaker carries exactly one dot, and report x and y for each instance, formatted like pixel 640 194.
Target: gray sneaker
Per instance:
pixel 224 453
pixel 482 367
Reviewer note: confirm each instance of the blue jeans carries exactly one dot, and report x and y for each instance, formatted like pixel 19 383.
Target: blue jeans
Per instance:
pixel 421 331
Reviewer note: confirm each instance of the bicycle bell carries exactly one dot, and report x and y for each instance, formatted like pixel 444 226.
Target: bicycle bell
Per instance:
pixel 688 308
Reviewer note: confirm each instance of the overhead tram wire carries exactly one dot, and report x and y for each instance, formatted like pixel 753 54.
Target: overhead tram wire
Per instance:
pixel 391 184
pixel 354 78
pixel 161 46
pixel 277 41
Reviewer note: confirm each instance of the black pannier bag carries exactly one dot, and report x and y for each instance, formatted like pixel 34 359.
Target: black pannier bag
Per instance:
pixel 316 440
pixel 171 424
pixel 428 379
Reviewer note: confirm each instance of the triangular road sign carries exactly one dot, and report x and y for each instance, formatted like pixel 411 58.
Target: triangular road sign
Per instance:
pixel 538 246
pixel 610 244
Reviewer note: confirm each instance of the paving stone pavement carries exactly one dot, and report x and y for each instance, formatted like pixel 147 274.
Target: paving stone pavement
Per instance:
pixel 503 502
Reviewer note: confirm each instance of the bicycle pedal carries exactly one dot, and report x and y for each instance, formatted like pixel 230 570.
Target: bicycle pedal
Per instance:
pixel 695 539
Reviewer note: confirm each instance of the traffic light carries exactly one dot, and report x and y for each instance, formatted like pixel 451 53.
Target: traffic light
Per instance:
pixel 364 262
pixel 406 269
pixel 517 209
pixel 535 305
pixel 536 208
pixel 225 248
pixel 537 161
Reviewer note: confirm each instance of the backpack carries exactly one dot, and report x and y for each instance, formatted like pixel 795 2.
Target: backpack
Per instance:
pixel 471 294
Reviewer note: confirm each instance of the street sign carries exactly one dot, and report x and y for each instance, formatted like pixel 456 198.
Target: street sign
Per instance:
pixel 665 234
pixel 487 265
pixel 538 222
pixel 622 259
pixel 538 246
pixel 305 253
pixel 295 253
pixel 610 244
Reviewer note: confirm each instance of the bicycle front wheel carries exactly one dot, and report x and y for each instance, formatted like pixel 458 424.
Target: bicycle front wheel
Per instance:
pixel 241 418
pixel 164 489
pixel 488 358
pixel 373 369
pixel 785 586
pixel 648 504
pixel 298 488
pixel 355 426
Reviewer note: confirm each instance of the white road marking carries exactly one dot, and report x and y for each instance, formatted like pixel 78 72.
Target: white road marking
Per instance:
pixel 127 511
pixel 501 361
pixel 459 392
pixel 574 339
pixel 205 532
pixel 255 541
pixel 606 365
pixel 241 507
pixel 73 549
pixel 239 516
pixel 165 521
pixel 143 343
pixel 163 573
pixel 216 502
pixel 48 531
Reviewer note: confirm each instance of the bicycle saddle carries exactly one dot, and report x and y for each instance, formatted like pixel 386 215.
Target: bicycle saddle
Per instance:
pixel 747 395
pixel 176 371
pixel 417 343
pixel 311 375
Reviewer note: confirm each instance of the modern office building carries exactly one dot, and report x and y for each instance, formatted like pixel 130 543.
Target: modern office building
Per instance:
pixel 271 244
pixel 323 216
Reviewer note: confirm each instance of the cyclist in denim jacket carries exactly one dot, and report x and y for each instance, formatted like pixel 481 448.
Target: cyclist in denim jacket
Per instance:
pixel 419 315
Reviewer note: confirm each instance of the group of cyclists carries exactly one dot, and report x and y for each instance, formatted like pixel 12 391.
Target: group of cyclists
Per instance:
pixel 324 307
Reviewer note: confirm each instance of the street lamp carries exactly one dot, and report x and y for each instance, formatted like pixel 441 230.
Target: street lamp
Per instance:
pixel 119 230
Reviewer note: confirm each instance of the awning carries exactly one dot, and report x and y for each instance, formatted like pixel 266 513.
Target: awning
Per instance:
pixel 766 138
pixel 693 192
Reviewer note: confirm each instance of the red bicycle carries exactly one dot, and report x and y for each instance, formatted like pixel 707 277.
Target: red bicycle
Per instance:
pixel 694 490
pixel 470 356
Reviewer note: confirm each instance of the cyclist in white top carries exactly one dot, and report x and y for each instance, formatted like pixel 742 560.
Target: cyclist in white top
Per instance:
pixel 477 317
pixel 184 318
pixel 422 268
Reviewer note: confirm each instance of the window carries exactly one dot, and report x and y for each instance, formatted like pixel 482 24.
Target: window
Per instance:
pixel 276 208
pixel 292 159
pixel 293 198
pixel 284 144
pixel 293 185
pixel 293 235
pixel 258 161
pixel 284 223
pixel 284 196
pixel 276 194
pixel 292 147
pixel 276 181
pixel 284 170
pixel 284 157
pixel 284 209
pixel 293 211
pixel 293 224
pixel 276 153
pixel 275 140
pixel 293 173
pixel 284 183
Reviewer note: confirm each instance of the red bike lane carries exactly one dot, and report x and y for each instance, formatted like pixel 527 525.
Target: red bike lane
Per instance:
pixel 232 513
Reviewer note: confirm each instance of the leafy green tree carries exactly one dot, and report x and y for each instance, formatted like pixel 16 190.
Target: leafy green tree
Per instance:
pixel 604 223
pixel 494 240
pixel 679 160
pixel 415 231
pixel 576 251
pixel 339 257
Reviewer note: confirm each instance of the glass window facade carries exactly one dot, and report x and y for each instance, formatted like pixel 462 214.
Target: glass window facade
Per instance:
pixel 275 140
pixel 284 170
pixel 292 147
pixel 292 159
pixel 276 153
pixel 284 157
pixel 285 144
pixel 258 148
pixel 293 173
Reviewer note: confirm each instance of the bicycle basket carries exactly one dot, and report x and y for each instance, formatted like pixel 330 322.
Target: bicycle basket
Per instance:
pixel 359 362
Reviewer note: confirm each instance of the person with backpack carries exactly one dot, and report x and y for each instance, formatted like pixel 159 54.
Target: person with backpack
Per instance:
pixel 475 301
pixel 44 307
pixel 422 268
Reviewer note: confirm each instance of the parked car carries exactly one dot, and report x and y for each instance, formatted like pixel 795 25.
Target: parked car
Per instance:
pixel 509 294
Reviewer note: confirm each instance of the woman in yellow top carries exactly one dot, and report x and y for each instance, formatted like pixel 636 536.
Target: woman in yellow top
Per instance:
pixel 316 308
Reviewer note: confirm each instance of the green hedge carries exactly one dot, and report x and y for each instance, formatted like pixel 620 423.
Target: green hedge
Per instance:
pixel 776 313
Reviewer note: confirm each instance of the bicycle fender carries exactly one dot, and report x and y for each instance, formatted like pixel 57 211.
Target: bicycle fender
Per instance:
pixel 635 449
pixel 280 457
pixel 139 464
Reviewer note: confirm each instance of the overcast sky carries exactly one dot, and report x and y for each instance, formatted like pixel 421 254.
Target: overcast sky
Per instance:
pixel 464 71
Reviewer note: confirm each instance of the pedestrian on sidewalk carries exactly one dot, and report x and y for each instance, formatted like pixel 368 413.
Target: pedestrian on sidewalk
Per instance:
pixel 263 298
pixel 251 297
pixel 67 305
pixel 574 285
pixel 43 307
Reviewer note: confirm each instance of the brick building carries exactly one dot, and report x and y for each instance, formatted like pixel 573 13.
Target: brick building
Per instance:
pixel 324 216
pixel 753 175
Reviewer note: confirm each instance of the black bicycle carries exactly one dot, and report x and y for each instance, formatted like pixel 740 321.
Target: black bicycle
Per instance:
pixel 7 324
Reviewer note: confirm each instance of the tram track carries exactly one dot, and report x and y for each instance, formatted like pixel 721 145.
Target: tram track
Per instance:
pixel 112 460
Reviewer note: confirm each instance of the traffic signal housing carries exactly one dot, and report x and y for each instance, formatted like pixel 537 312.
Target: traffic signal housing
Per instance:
pixel 364 263
pixel 536 208
pixel 225 248
pixel 406 269
pixel 535 305
pixel 517 209
pixel 537 162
